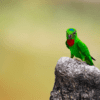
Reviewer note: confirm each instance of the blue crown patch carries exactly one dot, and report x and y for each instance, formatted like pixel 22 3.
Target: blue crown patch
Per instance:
pixel 71 29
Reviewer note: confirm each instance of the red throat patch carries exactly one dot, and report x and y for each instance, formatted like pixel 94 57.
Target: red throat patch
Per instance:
pixel 70 42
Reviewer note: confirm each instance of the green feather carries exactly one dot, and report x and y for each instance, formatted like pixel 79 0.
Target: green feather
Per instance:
pixel 67 44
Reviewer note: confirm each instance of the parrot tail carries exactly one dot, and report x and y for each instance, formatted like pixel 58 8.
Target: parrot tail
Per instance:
pixel 92 58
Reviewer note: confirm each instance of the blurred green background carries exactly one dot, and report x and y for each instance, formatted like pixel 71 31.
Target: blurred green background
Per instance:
pixel 32 40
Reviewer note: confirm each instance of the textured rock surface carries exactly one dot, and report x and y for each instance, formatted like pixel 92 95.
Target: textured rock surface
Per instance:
pixel 75 80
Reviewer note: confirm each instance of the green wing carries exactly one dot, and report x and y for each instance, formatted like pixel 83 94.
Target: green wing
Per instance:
pixel 84 50
pixel 67 44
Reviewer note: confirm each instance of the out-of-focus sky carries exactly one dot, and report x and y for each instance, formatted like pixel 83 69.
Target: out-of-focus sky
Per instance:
pixel 32 40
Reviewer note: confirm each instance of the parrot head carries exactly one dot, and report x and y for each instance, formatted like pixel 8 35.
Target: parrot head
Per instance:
pixel 71 34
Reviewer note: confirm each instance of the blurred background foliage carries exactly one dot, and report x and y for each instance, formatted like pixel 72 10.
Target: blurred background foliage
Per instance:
pixel 32 40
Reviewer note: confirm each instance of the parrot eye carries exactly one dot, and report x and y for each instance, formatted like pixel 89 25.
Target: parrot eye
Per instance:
pixel 74 33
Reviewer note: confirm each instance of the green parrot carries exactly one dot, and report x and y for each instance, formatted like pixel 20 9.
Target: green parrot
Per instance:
pixel 77 47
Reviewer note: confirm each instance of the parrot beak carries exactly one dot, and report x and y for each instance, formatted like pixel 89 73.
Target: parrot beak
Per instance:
pixel 69 36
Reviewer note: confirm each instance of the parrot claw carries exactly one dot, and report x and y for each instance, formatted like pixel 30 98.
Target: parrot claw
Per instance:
pixel 83 61
pixel 80 60
pixel 77 59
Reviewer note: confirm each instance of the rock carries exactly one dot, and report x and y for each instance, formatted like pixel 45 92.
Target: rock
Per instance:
pixel 75 80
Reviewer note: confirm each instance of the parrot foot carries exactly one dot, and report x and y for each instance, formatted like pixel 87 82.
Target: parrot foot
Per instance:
pixel 78 59
pixel 83 61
